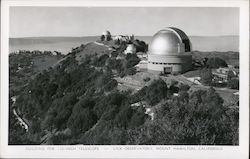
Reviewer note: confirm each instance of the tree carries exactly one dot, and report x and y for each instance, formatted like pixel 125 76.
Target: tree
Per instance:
pixel 111 85
pixel 183 96
pixel 124 115
pixel 156 91
pixel 132 60
pixel 109 38
pixel 122 47
pixel 146 79
pixel 206 77
pixel 100 62
pixel 231 75
pixel 201 119
pixel 104 79
pixel 216 62
pixel 173 86
pixel 81 120
pixel 130 71
pixel 102 37
pixel 205 61
pixel 173 83
pixel 117 42
pixel 138 118
pixel 114 54
pixel 174 89
pixel 233 83
pixel 141 46
pixel 184 87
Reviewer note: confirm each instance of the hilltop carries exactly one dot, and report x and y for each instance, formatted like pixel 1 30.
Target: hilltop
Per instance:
pixel 79 99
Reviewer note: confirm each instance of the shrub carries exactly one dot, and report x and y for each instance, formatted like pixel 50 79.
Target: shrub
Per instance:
pixel 141 46
pixel 117 42
pixel 216 62
pixel 109 38
pixel 233 83
pixel 156 91
pixel 174 89
pixel 173 83
pixel 231 75
pixel 102 37
pixel 130 71
pixel 184 87
pixel 111 85
pixel 206 77
pixel 99 62
pixel 146 79
pixel 114 54
pixel 132 60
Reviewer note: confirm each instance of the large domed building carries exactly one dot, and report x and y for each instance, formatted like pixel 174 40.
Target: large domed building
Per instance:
pixel 169 52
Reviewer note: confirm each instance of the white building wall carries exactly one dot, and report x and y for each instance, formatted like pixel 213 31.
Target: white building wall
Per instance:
pixel 178 63
pixel 160 67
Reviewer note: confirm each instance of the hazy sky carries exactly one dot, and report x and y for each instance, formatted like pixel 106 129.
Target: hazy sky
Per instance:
pixel 84 21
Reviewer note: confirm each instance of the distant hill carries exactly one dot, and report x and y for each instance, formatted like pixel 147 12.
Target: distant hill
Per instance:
pixel 232 58
pixel 208 43
pixel 28 41
pixel 61 44
pixel 48 40
pixel 64 44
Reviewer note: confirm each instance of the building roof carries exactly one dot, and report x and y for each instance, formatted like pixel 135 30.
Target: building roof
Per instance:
pixel 168 40
pixel 131 48
pixel 184 38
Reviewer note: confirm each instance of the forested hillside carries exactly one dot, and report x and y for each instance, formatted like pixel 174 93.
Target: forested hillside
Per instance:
pixel 79 103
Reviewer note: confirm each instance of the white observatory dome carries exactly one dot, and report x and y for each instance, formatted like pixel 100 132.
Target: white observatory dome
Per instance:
pixel 169 52
pixel 169 41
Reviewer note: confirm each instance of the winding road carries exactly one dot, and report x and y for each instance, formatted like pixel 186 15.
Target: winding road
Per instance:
pixel 22 123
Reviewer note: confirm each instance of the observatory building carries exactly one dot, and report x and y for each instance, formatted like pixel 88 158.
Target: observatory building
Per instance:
pixel 107 35
pixel 169 52
pixel 130 49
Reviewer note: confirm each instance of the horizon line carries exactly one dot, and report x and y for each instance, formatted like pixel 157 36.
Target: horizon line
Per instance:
pixel 61 36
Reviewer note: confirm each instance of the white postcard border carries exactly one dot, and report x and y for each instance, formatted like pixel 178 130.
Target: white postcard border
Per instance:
pixel 129 151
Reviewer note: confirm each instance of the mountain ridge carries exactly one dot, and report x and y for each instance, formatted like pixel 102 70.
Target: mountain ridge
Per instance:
pixel 64 44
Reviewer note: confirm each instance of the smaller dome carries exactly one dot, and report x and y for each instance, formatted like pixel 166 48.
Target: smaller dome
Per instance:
pixel 106 33
pixel 130 49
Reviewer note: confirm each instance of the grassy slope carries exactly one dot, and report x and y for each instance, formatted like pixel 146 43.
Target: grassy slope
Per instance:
pixel 92 48
pixel 44 62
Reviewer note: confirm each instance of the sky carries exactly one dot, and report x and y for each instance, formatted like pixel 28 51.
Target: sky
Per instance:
pixel 140 21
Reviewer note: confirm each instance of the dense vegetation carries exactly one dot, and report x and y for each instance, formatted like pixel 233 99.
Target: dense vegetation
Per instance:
pixel 65 96
pixel 203 67
pixel 196 118
pixel 78 103
pixel 231 58
pixel 216 62
pixel 23 67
